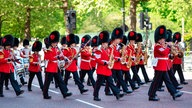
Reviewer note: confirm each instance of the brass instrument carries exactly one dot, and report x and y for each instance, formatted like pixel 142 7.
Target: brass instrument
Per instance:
pixel 111 60
pixel 180 52
pixel 138 56
pixel 123 54
pixel 129 62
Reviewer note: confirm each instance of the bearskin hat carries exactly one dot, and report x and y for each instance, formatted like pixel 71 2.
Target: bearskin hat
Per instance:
pixel 124 40
pixel 103 37
pixel 25 42
pixel 46 42
pixel 117 34
pixel 132 35
pixel 71 38
pixel 63 40
pixel 16 42
pixel 95 41
pixel 37 45
pixel 139 38
pixel 177 37
pixel 85 39
pixel 54 37
pixel 0 41
pixel 169 36
pixel 77 39
pixel 160 33
pixel 7 40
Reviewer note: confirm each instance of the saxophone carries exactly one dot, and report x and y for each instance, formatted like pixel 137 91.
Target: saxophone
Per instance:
pixel 123 54
pixel 138 57
pixel 180 52
pixel 129 62
pixel 111 60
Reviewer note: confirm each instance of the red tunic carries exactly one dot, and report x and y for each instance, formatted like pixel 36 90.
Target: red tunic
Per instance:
pixel 132 48
pixel 93 62
pixel 102 56
pixel 70 53
pixel 85 60
pixel 34 65
pixel 176 59
pixel 6 66
pixel 161 54
pixel 141 62
pixel 117 57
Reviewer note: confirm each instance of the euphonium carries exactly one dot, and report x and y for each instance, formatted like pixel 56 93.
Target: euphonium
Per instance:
pixel 111 60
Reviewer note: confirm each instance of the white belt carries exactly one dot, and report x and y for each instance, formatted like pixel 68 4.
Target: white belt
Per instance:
pixel 117 57
pixel 162 58
pixel 92 58
pixel 55 61
pixel 85 60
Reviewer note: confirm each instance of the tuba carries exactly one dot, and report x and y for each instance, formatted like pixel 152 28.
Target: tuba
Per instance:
pixel 111 60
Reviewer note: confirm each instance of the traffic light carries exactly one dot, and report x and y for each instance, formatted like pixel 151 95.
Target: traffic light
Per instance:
pixel 141 20
pixel 71 19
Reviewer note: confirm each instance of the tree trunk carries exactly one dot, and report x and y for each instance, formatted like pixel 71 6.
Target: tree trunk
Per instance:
pixel 65 7
pixel 1 22
pixel 133 4
pixel 27 24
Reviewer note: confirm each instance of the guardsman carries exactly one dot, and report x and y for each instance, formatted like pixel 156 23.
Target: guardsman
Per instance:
pixel 125 57
pixel 177 61
pixel 63 47
pixel 116 37
pixel 35 65
pixel 140 57
pixel 103 72
pixel 160 65
pixel 85 65
pixel 7 61
pixel 71 65
pixel 132 37
pixel 51 69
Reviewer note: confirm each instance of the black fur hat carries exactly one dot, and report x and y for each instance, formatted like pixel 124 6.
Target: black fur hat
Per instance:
pixel 54 37
pixel 85 39
pixel 160 33
pixel 117 34
pixel 124 40
pixel 16 42
pixel 46 42
pixel 77 39
pixel 103 37
pixel 95 41
pixel 37 45
pixel 25 42
pixel 169 36
pixel 71 38
pixel 0 41
pixel 177 37
pixel 63 40
pixel 7 40
pixel 132 35
pixel 139 38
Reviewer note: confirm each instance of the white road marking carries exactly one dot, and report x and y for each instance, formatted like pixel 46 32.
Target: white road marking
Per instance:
pixel 79 100
pixel 186 92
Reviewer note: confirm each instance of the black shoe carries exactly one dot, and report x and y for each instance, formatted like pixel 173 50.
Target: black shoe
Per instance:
pixel 1 95
pixel 103 84
pixel 118 96
pixel 24 83
pixel 160 89
pixel 108 94
pixel 6 88
pixel 67 95
pixel 162 86
pixel 96 99
pixel 128 92
pixel 148 81
pixel 136 87
pixel 178 94
pixel 83 91
pixel 185 83
pixel 179 87
pixel 141 83
pixel 29 90
pixel 47 97
pixel 155 98
pixel 20 92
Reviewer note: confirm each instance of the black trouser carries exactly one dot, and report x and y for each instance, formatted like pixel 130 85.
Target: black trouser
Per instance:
pixel 92 71
pixel 90 75
pixel 6 78
pixel 117 74
pixel 22 80
pixel 135 75
pixel 2 78
pixel 143 72
pixel 161 76
pixel 75 77
pixel 127 77
pixel 39 77
pixel 177 67
pixel 109 80
pixel 48 78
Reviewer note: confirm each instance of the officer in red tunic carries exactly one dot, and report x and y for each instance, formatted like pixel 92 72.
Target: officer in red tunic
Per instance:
pixel 52 67
pixel 140 53
pixel 103 71
pixel 131 46
pixel 160 65
pixel 85 65
pixel 125 54
pixel 34 65
pixel 177 61
pixel 7 61
pixel 71 66
pixel 116 36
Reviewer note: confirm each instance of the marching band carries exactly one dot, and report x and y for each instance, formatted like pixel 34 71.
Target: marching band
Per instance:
pixel 111 57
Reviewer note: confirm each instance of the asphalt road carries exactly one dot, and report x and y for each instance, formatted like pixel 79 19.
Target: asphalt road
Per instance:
pixel 138 99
